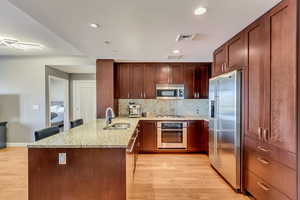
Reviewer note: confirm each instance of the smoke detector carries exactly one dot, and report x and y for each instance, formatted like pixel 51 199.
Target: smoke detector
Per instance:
pixel 186 37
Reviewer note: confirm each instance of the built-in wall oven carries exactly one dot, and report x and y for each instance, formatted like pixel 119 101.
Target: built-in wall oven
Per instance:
pixel 172 135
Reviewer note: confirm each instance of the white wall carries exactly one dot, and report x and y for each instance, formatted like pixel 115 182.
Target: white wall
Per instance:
pixel 57 89
pixel 22 85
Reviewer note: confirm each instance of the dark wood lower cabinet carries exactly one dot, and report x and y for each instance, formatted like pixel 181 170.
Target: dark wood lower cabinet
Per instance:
pixel 92 174
pixel 194 133
pixel 148 136
pixel 197 132
pixel 270 171
pixel 198 136
pixel 260 189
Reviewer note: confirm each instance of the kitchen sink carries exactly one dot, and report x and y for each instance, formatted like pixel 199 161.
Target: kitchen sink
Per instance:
pixel 117 126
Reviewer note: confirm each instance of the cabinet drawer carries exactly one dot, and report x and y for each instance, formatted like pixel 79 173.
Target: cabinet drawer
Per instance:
pixel 280 177
pixel 271 152
pixel 262 190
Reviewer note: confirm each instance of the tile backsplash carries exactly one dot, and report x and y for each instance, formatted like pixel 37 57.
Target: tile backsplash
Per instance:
pixel 186 107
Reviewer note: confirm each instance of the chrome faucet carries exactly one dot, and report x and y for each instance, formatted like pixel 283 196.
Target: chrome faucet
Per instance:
pixel 109 115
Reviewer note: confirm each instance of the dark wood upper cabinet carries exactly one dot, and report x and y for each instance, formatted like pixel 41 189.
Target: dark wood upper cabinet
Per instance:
pixel 281 76
pixel 230 56
pixel 202 76
pixel 255 98
pixel 196 80
pixel 150 81
pixel 219 61
pixel 176 75
pixel 189 81
pixel 123 85
pixel 163 73
pixel 137 81
pixel 236 56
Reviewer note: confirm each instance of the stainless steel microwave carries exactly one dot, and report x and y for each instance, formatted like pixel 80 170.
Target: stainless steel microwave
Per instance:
pixel 170 91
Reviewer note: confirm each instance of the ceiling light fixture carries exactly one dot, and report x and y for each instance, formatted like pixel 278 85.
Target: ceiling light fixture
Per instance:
pixel 94 25
pixel 176 51
pixel 16 44
pixel 200 11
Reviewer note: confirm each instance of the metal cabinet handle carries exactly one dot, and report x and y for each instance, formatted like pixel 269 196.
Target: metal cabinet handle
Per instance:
pixel 263 161
pixel 133 144
pixel 128 95
pixel 262 186
pixel 259 132
pixel 222 67
pixel 144 94
pixel 263 149
pixel 265 134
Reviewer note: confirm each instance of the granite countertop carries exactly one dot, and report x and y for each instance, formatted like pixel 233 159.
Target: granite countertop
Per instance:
pixel 92 134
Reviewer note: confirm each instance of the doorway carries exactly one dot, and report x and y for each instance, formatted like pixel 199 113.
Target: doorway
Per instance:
pixel 59 103
pixel 84 100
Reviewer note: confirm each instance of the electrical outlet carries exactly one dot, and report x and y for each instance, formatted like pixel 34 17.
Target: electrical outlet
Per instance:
pixel 62 158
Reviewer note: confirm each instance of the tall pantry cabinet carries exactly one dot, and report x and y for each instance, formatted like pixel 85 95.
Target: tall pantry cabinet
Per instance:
pixel 269 101
pixel 270 142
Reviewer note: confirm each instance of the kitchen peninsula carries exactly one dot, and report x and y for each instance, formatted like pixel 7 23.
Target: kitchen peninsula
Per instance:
pixel 89 162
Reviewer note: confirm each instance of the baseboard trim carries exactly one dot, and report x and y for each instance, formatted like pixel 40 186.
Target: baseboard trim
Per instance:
pixel 11 144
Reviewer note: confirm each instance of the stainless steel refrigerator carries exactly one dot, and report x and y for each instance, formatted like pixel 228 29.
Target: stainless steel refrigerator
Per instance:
pixel 225 126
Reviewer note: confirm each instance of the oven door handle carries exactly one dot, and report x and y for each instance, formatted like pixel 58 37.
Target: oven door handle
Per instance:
pixel 172 129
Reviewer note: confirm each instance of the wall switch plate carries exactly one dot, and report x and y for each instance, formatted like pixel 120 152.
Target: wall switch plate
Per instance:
pixel 62 158
pixel 36 107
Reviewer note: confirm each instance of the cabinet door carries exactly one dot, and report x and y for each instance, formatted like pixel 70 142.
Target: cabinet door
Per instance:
pixel 176 73
pixel 256 76
pixel 219 61
pixel 204 137
pixel 194 132
pixel 202 75
pixel 189 81
pixel 281 119
pixel 163 73
pixel 148 136
pixel 150 81
pixel 137 81
pixel 236 53
pixel 124 81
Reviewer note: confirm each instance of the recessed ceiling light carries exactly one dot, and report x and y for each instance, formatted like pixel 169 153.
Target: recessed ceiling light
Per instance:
pixel 93 25
pixel 176 51
pixel 200 11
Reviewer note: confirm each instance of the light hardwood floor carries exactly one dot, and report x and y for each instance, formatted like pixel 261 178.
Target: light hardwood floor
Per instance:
pixel 179 177
pixel 158 177
pixel 13 174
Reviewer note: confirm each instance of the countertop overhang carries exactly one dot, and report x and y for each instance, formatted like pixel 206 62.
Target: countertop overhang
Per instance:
pixel 92 134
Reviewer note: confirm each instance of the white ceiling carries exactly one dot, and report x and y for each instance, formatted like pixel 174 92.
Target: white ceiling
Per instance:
pixel 140 30
pixel 14 23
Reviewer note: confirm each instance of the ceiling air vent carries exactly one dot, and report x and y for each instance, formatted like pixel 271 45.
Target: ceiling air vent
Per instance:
pixel 175 57
pixel 185 37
